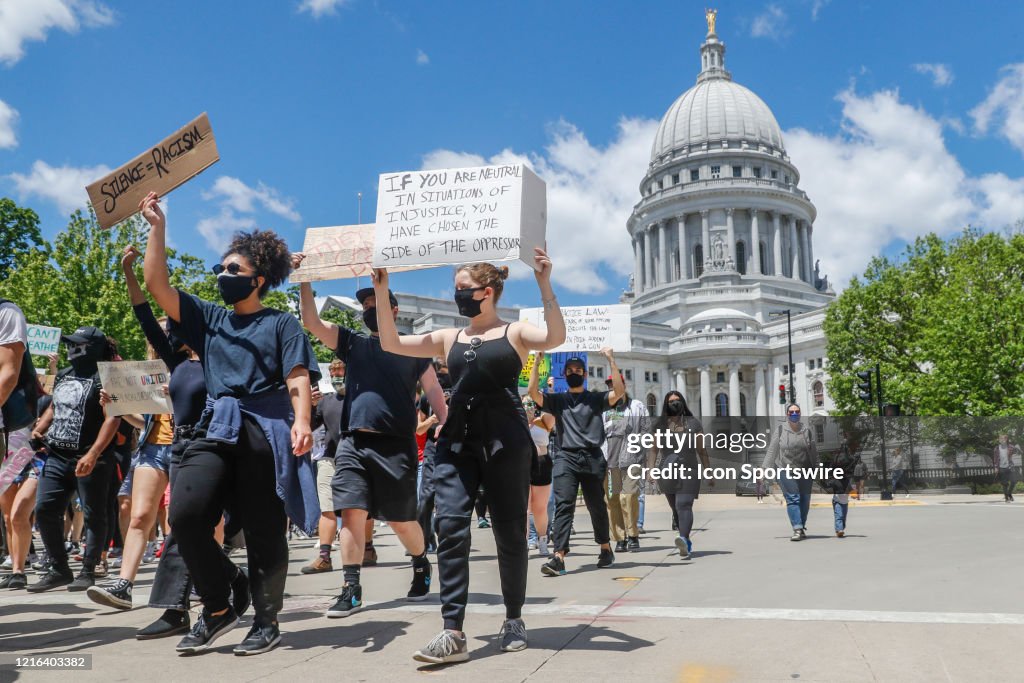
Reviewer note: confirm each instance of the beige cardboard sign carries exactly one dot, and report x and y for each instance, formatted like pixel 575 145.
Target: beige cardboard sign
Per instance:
pixel 160 169
pixel 135 387
pixel 337 253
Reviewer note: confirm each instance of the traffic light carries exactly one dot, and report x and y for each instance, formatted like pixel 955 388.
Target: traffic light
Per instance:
pixel 864 386
pixel 782 394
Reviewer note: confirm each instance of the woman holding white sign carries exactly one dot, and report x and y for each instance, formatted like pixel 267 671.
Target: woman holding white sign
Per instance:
pixel 486 439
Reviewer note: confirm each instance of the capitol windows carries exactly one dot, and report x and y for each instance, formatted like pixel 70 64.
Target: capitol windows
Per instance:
pixel 629 375
pixel 698 260
pixel 654 377
pixel 775 174
pixel 652 404
pixel 716 171
pixel 737 171
pixel 741 258
pixel 787 180
pixel 694 175
pixel 675 179
pixel 647 375
pixel 818 389
pixel 721 405
pixel 720 377
pixel 757 171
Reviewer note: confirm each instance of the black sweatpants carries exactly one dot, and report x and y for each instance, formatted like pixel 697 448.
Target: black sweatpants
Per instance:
pixel 172 583
pixel 499 458
pixel 212 476
pixel 426 495
pixel 56 486
pixel 573 470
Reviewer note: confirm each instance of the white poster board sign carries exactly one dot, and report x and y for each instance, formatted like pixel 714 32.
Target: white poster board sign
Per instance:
pixel 589 328
pixel 325 378
pixel 459 215
pixel 336 253
pixel 42 340
pixel 136 387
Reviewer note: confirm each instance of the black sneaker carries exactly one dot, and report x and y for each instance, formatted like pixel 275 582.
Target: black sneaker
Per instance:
pixel 116 593
pixel 84 580
pixel 14 581
pixel 207 629
pixel 620 547
pixel 171 623
pixel 241 598
pixel 606 558
pixel 349 602
pixel 52 579
pixel 633 545
pixel 553 567
pixel 420 588
pixel 261 638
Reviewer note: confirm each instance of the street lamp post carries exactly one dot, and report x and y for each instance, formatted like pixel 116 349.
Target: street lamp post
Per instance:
pixel 789 335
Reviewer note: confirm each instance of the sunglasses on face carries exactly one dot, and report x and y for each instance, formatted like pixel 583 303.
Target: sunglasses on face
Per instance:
pixel 231 268
pixel 794 412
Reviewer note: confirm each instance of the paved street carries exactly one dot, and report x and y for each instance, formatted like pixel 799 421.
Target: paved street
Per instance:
pixel 923 590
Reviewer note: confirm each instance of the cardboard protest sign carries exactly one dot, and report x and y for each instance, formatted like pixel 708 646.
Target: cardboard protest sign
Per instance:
pixel 47 383
pixel 136 387
pixel 336 253
pixel 552 365
pixel 590 328
pixel 454 216
pixel 160 169
pixel 43 340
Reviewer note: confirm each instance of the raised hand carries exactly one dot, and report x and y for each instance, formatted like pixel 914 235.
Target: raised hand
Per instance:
pixel 379 277
pixel 130 255
pixel 543 261
pixel 151 211
pixel 297 258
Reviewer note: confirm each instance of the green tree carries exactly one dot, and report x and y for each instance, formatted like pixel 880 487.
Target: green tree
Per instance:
pixel 944 324
pixel 19 234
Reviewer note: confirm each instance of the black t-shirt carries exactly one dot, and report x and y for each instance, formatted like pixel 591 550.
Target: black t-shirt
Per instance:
pixel 244 354
pixel 77 414
pixel 329 413
pixel 578 420
pixel 380 387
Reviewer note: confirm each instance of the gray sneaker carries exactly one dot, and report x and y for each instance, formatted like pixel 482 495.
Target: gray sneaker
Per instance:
pixel 447 647
pixel 513 635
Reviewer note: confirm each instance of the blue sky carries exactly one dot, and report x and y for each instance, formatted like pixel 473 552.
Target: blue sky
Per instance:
pixel 902 117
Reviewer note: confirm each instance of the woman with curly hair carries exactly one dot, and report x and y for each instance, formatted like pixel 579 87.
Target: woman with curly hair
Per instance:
pixel 258 366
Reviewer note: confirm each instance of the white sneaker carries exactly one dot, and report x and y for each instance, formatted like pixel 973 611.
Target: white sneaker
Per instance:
pixel 542 546
pixel 447 647
pixel 8 564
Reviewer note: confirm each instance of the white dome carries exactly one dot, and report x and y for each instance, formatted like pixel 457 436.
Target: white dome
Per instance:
pixel 714 110
pixel 720 314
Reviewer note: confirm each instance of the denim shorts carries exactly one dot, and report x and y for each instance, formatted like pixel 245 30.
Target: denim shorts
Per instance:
pixel 149 455
pixel 32 470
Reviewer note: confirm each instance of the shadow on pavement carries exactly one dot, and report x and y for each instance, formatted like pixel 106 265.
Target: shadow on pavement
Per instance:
pixel 371 636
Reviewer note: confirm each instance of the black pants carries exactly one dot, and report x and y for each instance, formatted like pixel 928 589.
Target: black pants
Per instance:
pixel 172 583
pixel 500 460
pixel 212 476
pixel 56 486
pixel 427 492
pixel 481 503
pixel 1007 477
pixel 681 505
pixel 573 470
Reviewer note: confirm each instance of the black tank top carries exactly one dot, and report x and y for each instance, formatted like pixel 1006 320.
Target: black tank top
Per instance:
pixel 485 366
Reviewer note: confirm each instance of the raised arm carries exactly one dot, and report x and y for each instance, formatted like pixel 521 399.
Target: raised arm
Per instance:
pixel 618 386
pixel 533 387
pixel 128 258
pixel 428 345
pixel 553 336
pixel 154 270
pixel 326 332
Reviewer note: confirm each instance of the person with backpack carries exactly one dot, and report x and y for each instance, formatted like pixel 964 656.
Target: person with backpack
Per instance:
pixel 793 445
pixel 846 459
pixel 19 392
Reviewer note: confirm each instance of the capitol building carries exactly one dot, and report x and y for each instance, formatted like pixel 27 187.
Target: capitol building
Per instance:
pixel 723 242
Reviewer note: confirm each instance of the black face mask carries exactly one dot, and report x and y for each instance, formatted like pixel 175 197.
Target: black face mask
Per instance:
pixel 235 288
pixel 370 318
pixel 674 408
pixel 468 306
pixel 575 381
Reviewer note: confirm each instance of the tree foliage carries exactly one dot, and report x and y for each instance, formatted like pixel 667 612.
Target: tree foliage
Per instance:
pixel 944 322
pixel 19 234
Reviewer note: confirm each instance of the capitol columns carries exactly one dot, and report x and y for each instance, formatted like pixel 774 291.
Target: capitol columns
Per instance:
pixel 707 408
pixel 705 237
pixel 730 232
pixel 648 259
pixel 663 261
pixel 755 244
pixel 760 400
pixel 681 385
pixel 734 390
pixel 794 250
pixel 777 244
pixel 638 263
pixel 806 244
pixel 684 256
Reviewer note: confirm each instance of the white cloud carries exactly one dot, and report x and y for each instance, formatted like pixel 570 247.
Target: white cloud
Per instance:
pixel 422 58
pixel 1004 107
pixel 235 194
pixel 888 176
pixel 218 230
pixel 64 185
pixel 22 21
pixel 816 8
pixel 940 74
pixel 319 8
pixel 590 190
pixel 8 117
pixel 771 23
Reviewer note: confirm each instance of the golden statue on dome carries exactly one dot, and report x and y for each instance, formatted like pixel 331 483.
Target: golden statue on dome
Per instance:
pixel 710 15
